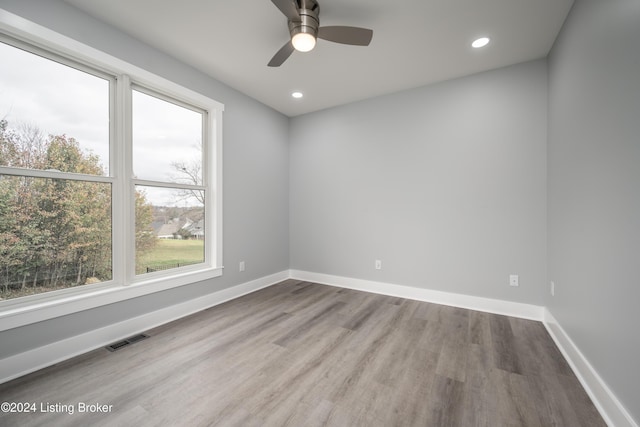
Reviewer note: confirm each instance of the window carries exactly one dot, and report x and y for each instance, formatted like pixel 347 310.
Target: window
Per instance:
pixel 55 191
pixel 109 179
pixel 167 163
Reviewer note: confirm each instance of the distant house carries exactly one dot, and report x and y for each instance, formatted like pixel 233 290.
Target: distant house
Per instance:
pixel 156 225
pixel 179 229
pixel 196 229
pixel 170 230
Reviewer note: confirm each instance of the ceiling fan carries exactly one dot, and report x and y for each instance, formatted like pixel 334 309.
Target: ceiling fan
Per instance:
pixel 304 28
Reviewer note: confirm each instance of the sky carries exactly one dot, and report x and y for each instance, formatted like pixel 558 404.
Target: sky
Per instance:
pixel 59 100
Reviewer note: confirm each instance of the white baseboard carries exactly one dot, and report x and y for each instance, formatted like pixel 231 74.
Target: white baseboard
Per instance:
pixel 613 412
pixel 50 354
pixel 507 308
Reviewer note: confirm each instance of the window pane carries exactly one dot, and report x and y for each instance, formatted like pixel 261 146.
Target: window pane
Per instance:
pixel 167 141
pixel 54 234
pixel 169 228
pixel 42 100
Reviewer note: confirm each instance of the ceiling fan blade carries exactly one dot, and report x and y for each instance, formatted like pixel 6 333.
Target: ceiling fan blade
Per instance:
pixel 282 55
pixel 346 35
pixel 288 8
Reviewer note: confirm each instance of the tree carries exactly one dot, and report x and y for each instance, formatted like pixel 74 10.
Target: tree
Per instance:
pixel 54 232
pixel 145 237
pixel 76 214
pixel 11 246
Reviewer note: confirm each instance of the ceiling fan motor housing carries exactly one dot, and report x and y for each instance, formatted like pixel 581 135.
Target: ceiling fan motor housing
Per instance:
pixel 304 28
pixel 309 21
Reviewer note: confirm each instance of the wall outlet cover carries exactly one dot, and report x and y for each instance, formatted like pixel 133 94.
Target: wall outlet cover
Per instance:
pixel 514 280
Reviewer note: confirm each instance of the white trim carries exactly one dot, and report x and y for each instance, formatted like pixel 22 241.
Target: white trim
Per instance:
pixel 611 409
pixel 50 305
pixel 507 308
pixel 122 217
pixel 124 285
pixel 214 215
pixel 50 354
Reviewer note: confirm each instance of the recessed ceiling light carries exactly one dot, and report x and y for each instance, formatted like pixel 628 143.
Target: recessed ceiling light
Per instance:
pixel 297 95
pixel 481 42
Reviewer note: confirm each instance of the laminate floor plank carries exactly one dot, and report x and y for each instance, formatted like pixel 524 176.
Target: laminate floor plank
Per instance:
pixel 538 353
pixel 454 352
pixel 480 328
pixel 341 368
pixel 445 402
pixel 588 414
pixel 362 365
pixel 365 310
pixel 504 351
pixel 409 405
pixel 307 325
pixel 303 354
pixel 396 360
pixel 512 399
pixel 479 403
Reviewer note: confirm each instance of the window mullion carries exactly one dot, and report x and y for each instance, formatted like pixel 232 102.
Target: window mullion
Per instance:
pixel 122 217
pixel 129 229
pixel 168 184
pixel 69 176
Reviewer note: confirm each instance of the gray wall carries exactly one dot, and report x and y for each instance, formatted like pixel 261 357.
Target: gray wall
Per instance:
pixel 255 178
pixel 446 184
pixel 594 188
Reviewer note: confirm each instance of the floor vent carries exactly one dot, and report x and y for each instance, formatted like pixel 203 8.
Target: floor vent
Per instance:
pixel 118 345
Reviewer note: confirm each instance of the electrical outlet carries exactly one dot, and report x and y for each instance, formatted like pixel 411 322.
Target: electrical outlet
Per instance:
pixel 378 264
pixel 553 289
pixel 241 266
pixel 513 280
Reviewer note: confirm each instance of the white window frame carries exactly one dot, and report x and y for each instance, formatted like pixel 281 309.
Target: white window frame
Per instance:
pixel 124 284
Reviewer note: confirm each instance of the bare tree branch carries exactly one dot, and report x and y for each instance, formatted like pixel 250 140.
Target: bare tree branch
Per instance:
pixel 188 173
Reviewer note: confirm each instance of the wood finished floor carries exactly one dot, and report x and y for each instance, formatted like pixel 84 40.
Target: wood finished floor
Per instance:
pixel 303 354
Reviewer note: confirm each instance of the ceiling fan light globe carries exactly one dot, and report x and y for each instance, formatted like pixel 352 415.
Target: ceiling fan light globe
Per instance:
pixel 303 42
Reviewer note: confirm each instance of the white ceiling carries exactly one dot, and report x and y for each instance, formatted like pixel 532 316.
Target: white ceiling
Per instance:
pixel 415 42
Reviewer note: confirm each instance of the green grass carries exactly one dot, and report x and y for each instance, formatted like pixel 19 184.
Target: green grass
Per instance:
pixel 169 253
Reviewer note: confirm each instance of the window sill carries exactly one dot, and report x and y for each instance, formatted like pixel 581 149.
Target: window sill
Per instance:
pixel 17 313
